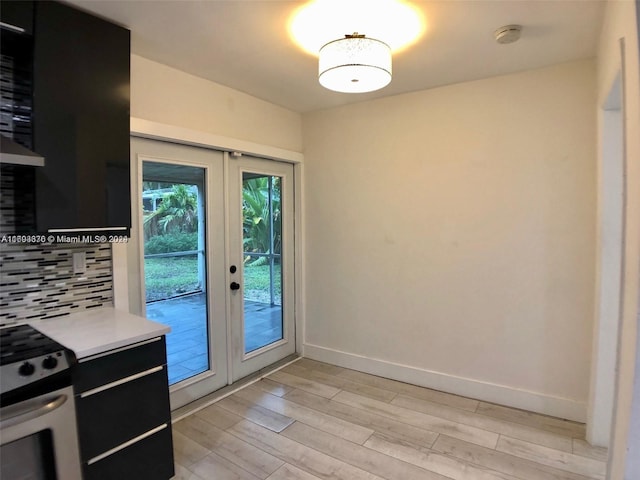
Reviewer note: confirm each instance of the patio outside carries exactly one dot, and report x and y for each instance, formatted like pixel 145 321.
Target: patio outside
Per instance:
pixel 187 342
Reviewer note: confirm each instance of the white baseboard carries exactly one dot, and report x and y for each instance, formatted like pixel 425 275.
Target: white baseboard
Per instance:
pixel 466 387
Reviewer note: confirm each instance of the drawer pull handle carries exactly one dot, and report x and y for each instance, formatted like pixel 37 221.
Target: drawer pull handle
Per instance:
pixel 13 28
pixel 118 350
pixel 130 378
pixel 85 229
pixel 124 445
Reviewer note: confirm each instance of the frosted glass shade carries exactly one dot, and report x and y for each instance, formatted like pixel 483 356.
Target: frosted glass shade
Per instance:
pixel 355 64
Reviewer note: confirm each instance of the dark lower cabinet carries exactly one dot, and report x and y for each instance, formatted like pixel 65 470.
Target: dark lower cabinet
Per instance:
pixel 124 418
pixel 144 460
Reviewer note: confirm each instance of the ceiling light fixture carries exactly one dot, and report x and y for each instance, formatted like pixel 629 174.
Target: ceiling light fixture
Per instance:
pixel 355 64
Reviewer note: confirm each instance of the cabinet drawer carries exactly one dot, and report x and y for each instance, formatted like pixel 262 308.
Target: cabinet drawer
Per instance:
pixel 114 416
pixel 105 369
pixel 149 459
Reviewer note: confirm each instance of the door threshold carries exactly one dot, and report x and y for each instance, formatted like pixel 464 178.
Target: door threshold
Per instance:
pixel 197 405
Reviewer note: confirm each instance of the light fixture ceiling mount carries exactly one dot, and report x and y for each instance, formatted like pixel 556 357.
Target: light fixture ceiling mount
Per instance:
pixel 508 34
pixel 355 64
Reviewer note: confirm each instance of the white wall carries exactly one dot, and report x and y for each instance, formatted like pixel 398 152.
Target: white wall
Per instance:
pixel 621 24
pixel 451 237
pixel 166 95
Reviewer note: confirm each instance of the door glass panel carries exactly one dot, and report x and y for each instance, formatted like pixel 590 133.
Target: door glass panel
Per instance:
pixel 262 260
pixel 175 263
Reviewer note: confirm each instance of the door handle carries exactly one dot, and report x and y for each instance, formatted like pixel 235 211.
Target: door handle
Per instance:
pixel 234 286
pixel 16 415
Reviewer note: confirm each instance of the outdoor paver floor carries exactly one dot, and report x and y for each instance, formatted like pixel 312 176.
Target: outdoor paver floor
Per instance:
pixel 187 341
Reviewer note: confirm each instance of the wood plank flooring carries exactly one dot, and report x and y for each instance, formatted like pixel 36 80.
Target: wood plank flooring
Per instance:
pixel 313 421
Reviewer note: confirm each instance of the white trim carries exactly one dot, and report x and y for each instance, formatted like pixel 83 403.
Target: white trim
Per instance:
pixel 609 266
pixel 160 131
pixel 489 392
pixel 622 442
pixel 299 233
pixel 139 215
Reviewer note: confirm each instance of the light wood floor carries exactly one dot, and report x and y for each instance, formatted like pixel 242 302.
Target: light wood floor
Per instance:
pixel 312 420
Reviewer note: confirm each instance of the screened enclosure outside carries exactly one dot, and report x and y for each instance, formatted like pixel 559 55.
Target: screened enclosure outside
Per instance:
pixel 175 266
pixel 262 259
pixel 175 262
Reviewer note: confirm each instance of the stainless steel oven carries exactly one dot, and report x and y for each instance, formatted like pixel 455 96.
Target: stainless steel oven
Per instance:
pixel 38 434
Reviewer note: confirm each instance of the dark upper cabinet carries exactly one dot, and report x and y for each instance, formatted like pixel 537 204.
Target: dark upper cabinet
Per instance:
pixel 81 120
pixel 16 72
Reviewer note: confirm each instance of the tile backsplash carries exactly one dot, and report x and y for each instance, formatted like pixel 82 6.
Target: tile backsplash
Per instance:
pixel 37 281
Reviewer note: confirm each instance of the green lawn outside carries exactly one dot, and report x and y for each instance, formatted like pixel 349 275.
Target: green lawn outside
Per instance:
pixel 256 281
pixel 172 276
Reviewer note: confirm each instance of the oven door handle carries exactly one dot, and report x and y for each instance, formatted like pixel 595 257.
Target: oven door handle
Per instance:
pixel 30 411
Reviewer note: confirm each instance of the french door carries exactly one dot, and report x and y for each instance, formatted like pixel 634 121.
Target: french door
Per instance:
pixel 262 270
pixel 216 259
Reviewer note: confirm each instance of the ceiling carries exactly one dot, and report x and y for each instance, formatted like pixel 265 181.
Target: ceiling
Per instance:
pixel 244 44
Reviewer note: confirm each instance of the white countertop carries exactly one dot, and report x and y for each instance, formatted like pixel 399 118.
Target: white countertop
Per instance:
pixel 95 331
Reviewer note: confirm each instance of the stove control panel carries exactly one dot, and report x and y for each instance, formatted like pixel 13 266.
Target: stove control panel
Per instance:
pixel 19 374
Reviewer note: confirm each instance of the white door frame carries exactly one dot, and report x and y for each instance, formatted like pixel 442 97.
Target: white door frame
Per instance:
pixel 140 127
pixel 126 259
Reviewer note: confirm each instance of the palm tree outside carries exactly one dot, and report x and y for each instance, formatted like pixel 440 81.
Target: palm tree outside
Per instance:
pixel 177 213
pixel 170 223
pixel 262 236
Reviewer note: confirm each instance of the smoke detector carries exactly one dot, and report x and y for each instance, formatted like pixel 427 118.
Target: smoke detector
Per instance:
pixel 508 34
